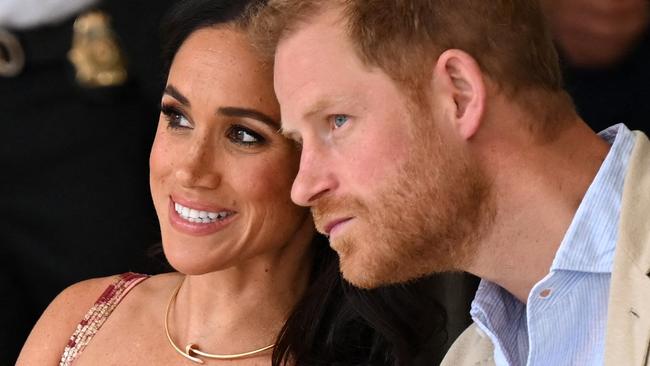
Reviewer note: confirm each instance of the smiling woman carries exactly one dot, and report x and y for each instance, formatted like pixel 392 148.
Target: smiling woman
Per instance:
pixel 255 284
pixel 218 153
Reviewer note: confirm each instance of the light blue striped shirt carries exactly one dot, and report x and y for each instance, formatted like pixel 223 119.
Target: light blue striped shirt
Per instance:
pixel 565 318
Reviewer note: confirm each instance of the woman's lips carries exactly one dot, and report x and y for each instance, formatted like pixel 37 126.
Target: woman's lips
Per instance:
pixel 211 222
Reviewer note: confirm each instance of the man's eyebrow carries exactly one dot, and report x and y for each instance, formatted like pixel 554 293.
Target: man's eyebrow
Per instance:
pixel 171 90
pixel 341 102
pixel 290 134
pixel 249 113
pixel 317 108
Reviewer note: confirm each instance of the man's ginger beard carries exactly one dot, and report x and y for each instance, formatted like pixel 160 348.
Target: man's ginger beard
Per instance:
pixel 427 218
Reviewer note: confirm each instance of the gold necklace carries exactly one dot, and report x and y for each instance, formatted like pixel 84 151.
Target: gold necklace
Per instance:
pixel 192 350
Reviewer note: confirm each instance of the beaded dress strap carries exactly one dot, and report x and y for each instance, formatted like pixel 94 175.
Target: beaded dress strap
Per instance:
pixel 97 315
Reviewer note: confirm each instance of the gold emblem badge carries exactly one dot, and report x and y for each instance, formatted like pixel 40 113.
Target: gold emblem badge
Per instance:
pixel 95 53
pixel 12 57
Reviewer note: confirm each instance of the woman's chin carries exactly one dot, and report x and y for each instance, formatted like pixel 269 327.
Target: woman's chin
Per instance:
pixel 193 266
pixel 191 262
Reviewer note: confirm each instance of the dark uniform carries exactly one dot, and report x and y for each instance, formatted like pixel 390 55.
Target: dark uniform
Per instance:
pixel 74 193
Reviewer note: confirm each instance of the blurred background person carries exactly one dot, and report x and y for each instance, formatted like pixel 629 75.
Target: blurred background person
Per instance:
pixel 605 48
pixel 79 93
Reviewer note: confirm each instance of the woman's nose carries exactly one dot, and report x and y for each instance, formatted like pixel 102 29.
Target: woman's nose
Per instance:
pixel 198 169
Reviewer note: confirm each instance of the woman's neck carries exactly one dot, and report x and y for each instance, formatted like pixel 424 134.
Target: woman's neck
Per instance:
pixel 241 308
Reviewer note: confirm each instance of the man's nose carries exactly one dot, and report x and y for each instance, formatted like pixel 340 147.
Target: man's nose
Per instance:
pixel 315 176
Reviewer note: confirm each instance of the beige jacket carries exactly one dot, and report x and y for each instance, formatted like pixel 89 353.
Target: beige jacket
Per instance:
pixel 627 338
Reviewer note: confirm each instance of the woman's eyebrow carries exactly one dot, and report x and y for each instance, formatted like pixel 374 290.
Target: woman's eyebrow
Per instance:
pixel 172 91
pixel 249 113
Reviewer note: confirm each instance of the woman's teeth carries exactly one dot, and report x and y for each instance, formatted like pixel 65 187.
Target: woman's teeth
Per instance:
pixel 201 217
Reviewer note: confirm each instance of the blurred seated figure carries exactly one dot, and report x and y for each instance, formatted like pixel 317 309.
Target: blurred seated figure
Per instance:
pixel 605 46
pixel 79 83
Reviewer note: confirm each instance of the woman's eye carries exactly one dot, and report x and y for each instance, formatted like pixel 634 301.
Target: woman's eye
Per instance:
pixel 338 120
pixel 175 119
pixel 244 136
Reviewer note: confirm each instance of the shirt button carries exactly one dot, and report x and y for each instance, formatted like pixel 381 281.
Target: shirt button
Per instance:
pixel 545 293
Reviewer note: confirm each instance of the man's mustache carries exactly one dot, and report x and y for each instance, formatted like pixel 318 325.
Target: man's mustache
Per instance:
pixel 327 209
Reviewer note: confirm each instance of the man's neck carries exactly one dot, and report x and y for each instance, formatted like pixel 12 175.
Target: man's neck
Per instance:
pixel 538 188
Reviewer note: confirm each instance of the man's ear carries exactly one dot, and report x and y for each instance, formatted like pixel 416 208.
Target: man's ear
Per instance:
pixel 459 78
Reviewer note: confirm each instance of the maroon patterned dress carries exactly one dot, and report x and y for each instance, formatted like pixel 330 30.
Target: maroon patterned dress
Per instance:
pixel 97 315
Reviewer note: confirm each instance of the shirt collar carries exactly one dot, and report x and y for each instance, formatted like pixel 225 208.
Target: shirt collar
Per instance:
pixel 611 175
pixel 499 314
pixel 590 241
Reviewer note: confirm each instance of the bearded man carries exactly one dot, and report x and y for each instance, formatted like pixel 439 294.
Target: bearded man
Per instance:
pixel 436 137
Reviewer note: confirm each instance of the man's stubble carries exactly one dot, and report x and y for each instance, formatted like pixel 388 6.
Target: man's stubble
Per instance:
pixel 426 218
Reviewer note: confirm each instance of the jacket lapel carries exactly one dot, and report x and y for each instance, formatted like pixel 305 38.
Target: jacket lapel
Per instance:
pixel 472 348
pixel 628 321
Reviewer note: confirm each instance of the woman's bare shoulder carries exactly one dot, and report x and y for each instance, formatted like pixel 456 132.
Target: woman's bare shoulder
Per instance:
pixel 147 295
pixel 160 283
pixel 48 338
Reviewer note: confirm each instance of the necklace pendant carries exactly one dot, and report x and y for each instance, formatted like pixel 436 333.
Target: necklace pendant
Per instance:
pixel 190 353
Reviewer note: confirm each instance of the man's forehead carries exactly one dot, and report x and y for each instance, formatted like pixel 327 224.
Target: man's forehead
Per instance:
pixel 311 34
pixel 325 26
pixel 317 70
pixel 306 57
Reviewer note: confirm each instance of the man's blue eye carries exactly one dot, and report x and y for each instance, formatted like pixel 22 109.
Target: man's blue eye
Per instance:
pixel 340 120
